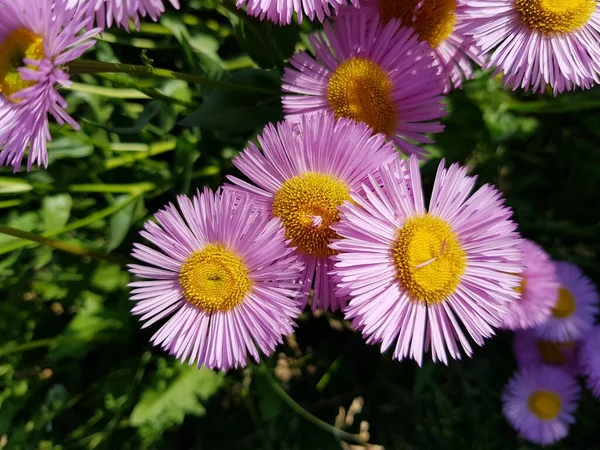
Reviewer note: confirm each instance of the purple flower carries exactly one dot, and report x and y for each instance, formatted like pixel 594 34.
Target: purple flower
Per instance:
pixel 575 309
pixel 539 402
pixel 120 12
pixel 370 72
pixel 589 358
pixel 535 43
pixel 531 350
pixel 37 39
pixel 538 290
pixel 304 172
pixel 419 278
pixel 282 11
pixel 224 276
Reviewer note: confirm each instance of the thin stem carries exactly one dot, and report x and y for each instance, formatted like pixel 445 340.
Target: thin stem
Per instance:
pixel 31 345
pixel 87 66
pixel 341 434
pixel 62 245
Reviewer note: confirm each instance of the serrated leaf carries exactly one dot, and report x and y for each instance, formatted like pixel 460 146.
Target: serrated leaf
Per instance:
pixel 56 210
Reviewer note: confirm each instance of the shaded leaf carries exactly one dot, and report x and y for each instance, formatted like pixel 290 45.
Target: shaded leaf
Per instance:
pixel 56 210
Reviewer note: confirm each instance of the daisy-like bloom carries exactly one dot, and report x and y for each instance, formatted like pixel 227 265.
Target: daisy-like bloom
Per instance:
pixel 37 39
pixel 539 43
pixel 378 74
pixel 120 12
pixel 439 23
pixel 531 350
pixel 589 358
pixel 224 274
pixel 420 277
pixel 539 402
pixel 304 172
pixel 538 290
pixel 575 309
pixel 282 11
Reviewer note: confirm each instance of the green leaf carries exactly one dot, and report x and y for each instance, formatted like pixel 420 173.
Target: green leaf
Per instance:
pixel 151 110
pixel 9 185
pixel 163 408
pixel 68 148
pixel 120 223
pixel 56 211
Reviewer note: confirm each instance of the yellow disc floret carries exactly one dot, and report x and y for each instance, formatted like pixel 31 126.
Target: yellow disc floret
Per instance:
pixel 544 404
pixel 214 279
pixel 432 20
pixel 429 258
pixel 20 44
pixel 554 353
pixel 562 16
pixel 307 206
pixel 360 89
pixel 565 305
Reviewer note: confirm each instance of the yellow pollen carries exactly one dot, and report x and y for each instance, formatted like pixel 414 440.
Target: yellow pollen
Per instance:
pixel 429 258
pixel 433 21
pixel 361 90
pixel 214 279
pixel 307 206
pixel 20 44
pixel 522 285
pixel 544 404
pixel 553 353
pixel 565 306
pixel 561 16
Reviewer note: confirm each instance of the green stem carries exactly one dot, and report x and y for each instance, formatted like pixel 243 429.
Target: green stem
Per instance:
pixel 32 345
pixel 87 66
pixel 341 434
pixel 62 245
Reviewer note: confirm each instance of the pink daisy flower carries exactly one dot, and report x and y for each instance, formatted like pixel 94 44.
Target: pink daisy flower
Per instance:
pixel 531 350
pixel 282 11
pixel 538 290
pixel 224 276
pixel 539 402
pixel 437 22
pixel 589 358
pixel 120 12
pixel 418 278
pixel 535 43
pixel 37 39
pixel 304 172
pixel 575 309
pixel 370 72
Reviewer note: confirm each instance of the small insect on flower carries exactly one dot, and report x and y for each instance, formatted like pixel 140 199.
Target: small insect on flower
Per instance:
pixel 575 308
pixel 589 358
pixel 107 13
pixel 538 43
pixel 539 402
pixel 531 350
pixel 304 172
pixel 224 276
pixel 537 292
pixel 37 39
pixel 418 277
pixel 376 73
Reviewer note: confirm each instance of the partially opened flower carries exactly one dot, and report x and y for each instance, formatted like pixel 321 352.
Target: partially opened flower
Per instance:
pixel 539 43
pixel 575 309
pixel 589 358
pixel 531 350
pixel 370 72
pixel 539 402
pixel 419 277
pixel 282 11
pixel 304 172
pixel 538 290
pixel 120 12
pixel 37 39
pixel 437 22
pixel 224 277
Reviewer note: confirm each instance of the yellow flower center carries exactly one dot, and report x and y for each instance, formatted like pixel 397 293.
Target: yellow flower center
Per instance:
pixel 361 90
pixel 544 404
pixel 522 285
pixel 434 21
pixel 553 352
pixel 565 306
pixel 429 258
pixel 214 279
pixel 307 206
pixel 20 44
pixel 563 16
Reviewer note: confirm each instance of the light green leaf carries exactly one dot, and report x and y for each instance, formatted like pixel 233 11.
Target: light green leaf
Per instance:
pixel 56 211
pixel 10 185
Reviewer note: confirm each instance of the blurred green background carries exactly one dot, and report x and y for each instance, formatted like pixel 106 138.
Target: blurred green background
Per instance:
pixel 76 371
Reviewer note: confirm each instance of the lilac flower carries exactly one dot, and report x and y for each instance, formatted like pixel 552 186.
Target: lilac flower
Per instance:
pixel 589 358
pixel 282 11
pixel 531 350
pixel 120 12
